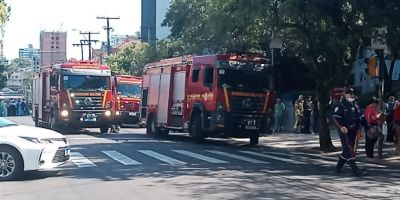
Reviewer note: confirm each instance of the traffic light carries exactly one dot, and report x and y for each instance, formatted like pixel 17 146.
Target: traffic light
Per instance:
pixel 372 66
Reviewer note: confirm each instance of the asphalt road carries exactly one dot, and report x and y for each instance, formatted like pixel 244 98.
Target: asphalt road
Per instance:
pixel 130 165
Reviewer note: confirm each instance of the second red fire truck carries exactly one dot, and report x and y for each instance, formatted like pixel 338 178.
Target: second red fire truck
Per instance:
pixel 127 95
pixel 208 96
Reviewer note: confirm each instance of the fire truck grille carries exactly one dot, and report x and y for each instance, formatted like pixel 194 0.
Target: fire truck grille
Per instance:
pixel 87 103
pixel 247 105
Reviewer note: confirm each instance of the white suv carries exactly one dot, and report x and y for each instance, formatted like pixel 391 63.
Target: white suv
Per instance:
pixel 24 148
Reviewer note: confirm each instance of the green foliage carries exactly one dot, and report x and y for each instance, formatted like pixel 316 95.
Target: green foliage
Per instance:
pixel 5 12
pixel 18 63
pixel 131 59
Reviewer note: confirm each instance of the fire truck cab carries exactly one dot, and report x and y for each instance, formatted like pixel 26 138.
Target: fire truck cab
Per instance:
pixel 73 95
pixel 127 94
pixel 208 96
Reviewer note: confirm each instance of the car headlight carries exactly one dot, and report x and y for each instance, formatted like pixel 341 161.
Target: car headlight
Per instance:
pixel 117 113
pixel 64 113
pixel 107 113
pixel 37 140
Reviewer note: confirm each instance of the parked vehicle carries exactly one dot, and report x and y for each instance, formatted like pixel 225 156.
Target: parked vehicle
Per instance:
pixel 208 96
pixel 73 95
pixel 25 148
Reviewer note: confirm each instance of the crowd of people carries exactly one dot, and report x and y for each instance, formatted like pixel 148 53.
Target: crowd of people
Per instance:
pixel 375 123
pixel 14 107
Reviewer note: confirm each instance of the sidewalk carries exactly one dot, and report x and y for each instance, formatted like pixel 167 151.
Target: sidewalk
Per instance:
pixel 309 143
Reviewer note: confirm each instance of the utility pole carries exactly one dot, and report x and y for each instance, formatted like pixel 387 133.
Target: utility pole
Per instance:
pixel 108 28
pixel 89 41
pixel 81 44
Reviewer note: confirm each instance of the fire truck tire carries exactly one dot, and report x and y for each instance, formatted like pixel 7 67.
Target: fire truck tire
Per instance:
pixel 195 130
pixel 254 139
pixel 104 129
pixel 154 131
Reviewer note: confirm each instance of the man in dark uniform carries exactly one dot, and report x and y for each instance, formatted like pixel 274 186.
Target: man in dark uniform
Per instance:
pixel 347 119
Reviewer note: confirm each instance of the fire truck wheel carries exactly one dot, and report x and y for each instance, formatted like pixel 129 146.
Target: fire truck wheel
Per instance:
pixel 104 129
pixel 195 129
pixel 254 139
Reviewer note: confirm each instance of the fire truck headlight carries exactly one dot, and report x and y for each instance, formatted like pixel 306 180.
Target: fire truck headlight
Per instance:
pixel 220 107
pixel 107 113
pixel 77 101
pixel 64 113
pixel 117 113
pixel 72 94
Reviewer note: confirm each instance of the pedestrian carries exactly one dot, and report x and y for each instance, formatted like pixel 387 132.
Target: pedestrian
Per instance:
pixel 306 120
pixel 373 131
pixel 347 119
pixel 4 108
pixel 396 124
pixel 389 106
pixel 279 109
pixel 1 108
pixel 314 116
pixel 298 113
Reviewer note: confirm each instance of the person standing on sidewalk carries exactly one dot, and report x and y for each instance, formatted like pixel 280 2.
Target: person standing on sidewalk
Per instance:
pixel 372 116
pixel 396 125
pixel 279 109
pixel 298 113
pixel 347 119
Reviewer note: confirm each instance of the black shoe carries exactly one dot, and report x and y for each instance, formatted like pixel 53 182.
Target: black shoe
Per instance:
pixel 339 165
pixel 354 168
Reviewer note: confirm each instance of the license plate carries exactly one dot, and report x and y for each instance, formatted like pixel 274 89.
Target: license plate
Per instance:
pixel 250 127
pixel 67 151
pixel 132 114
pixel 90 119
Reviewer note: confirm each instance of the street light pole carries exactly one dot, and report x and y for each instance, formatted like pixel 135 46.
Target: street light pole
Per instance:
pixel 276 43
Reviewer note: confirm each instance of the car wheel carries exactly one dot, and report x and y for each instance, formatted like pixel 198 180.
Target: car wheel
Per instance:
pixel 11 164
pixel 104 129
pixel 195 129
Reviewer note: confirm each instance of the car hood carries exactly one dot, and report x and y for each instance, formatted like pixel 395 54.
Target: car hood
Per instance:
pixel 30 131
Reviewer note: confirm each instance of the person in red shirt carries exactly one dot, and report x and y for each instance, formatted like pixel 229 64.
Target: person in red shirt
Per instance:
pixel 372 115
pixel 396 121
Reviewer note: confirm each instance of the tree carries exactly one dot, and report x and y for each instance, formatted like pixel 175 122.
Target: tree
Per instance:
pixel 131 60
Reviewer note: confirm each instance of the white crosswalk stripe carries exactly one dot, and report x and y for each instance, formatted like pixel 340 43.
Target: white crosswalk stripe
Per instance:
pixel 200 157
pixel 275 157
pixel 237 157
pixel 162 157
pixel 121 158
pixel 81 161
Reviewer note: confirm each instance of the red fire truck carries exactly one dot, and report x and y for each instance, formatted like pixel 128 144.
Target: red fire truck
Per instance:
pixel 73 95
pixel 127 93
pixel 208 96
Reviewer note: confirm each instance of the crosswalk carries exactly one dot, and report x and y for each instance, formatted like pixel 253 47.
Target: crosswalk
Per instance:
pixel 179 157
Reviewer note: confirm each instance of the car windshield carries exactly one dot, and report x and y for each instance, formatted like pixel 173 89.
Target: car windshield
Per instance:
pixel 86 83
pixel 130 90
pixel 6 123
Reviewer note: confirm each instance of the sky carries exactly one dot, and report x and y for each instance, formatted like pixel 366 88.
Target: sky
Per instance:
pixel 29 17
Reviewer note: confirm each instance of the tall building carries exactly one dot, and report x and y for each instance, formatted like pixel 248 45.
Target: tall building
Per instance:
pixel 53 47
pixel 31 54
pixel 153 14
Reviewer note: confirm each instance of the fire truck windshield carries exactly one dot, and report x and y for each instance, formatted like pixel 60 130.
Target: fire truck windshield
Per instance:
pixel 86 83
pixel 240 79
pixel 130 90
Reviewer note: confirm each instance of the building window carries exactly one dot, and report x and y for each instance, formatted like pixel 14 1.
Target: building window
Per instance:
pixel 57 38
pixel 52 38
pixel 52 47
pixel 56 47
